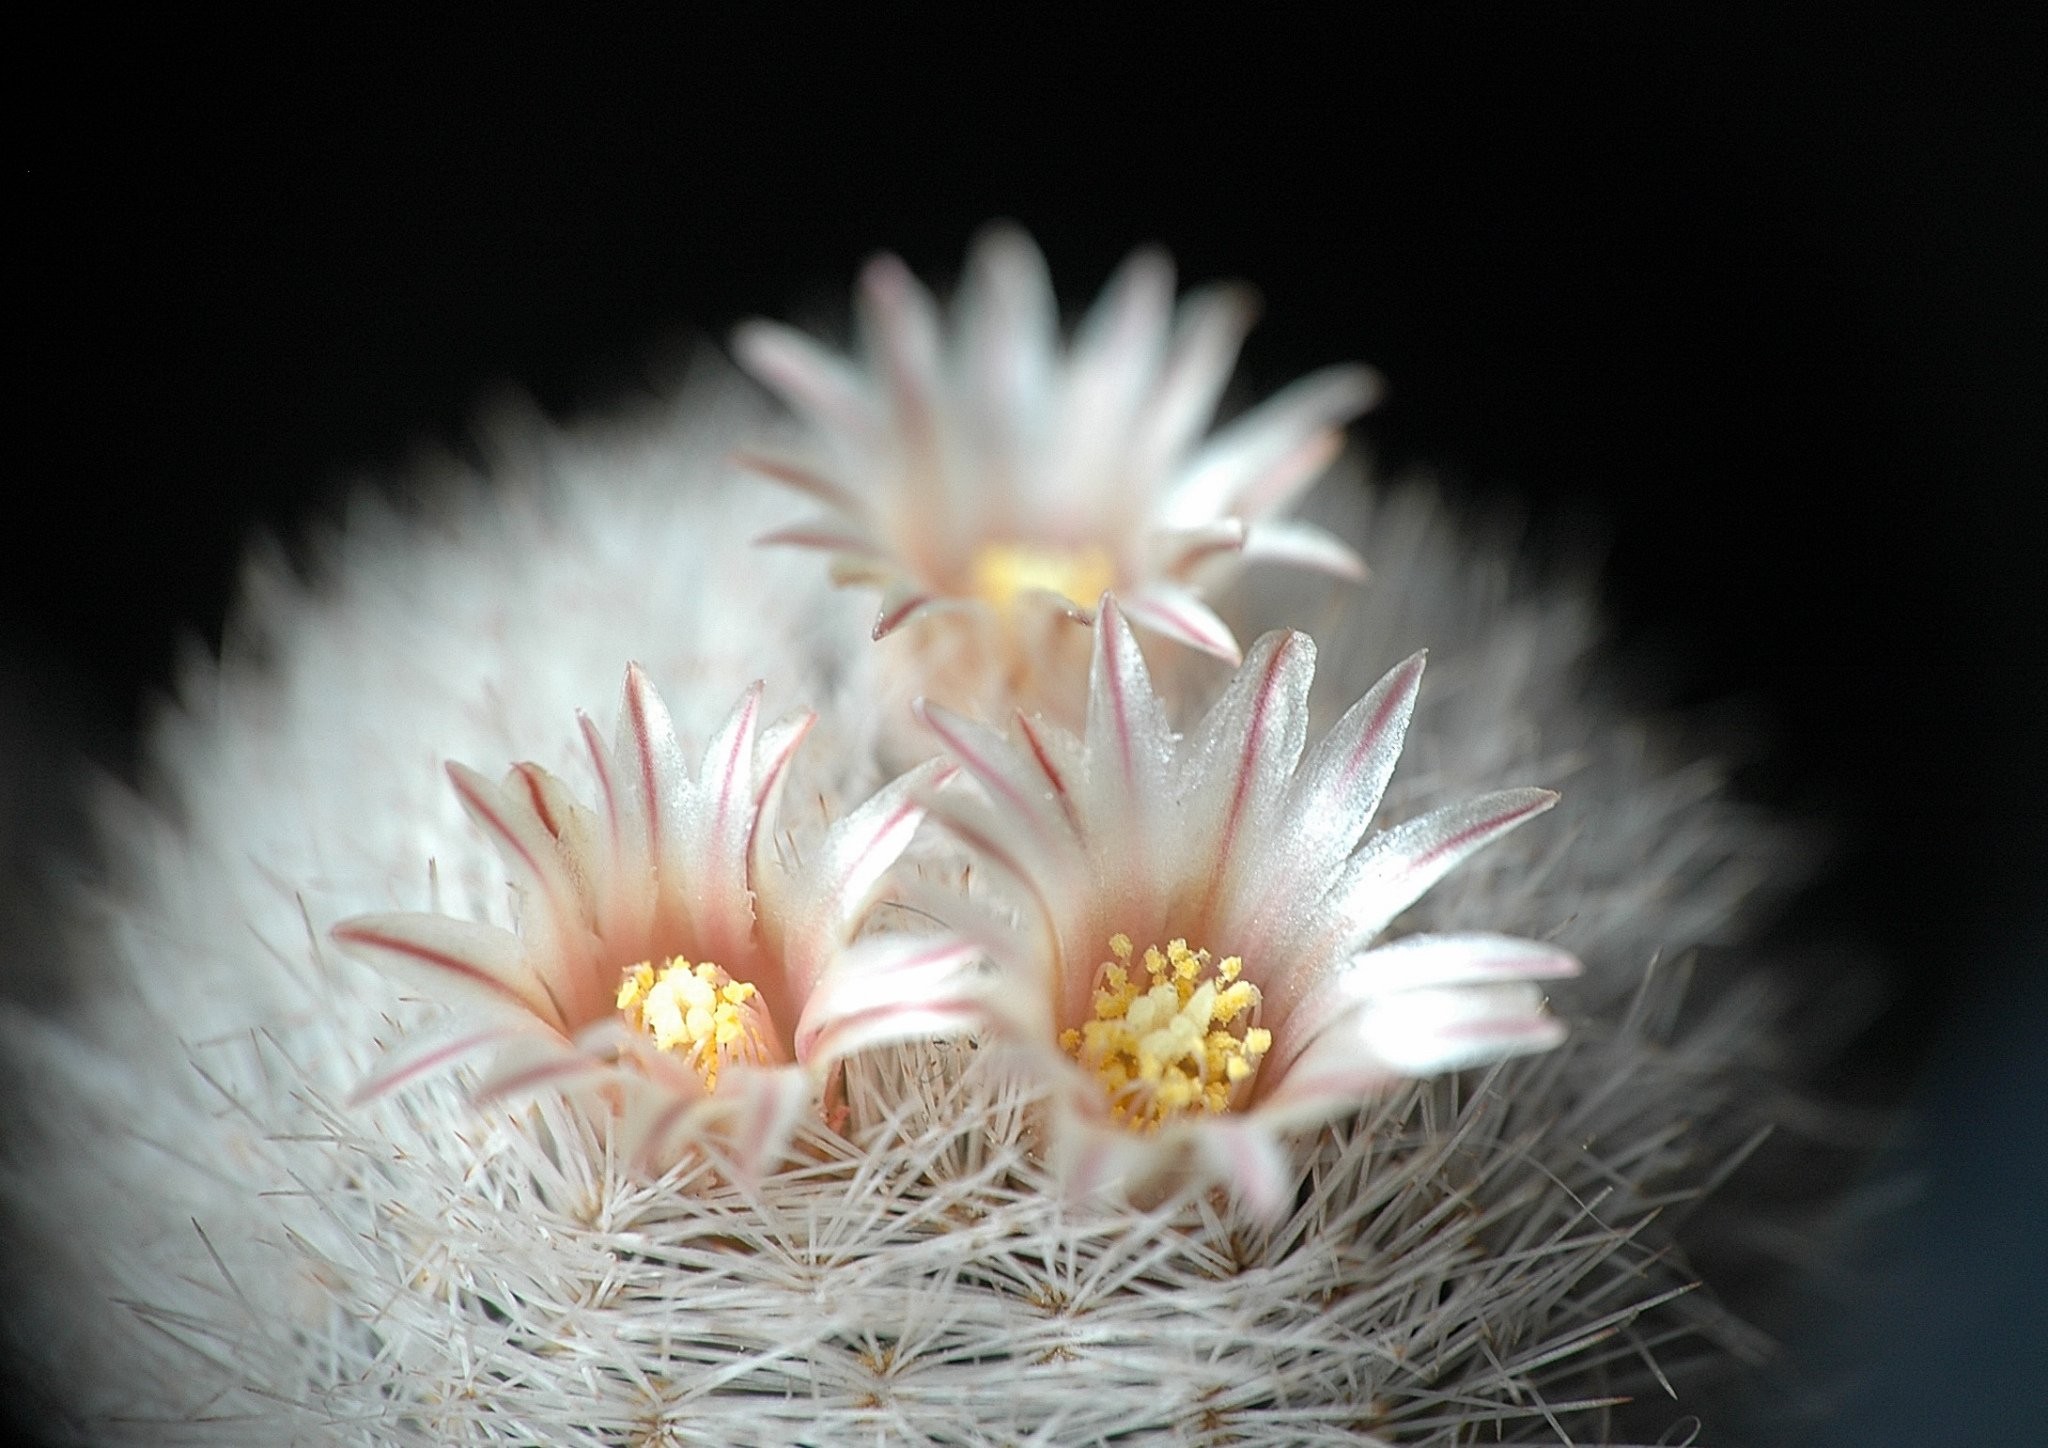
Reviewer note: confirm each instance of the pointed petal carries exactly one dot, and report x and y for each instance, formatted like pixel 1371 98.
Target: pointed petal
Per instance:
pixel 1210 327
pixel 827 535
pixel 1339 787
pixel 1395 867
pixel 1166 608
pixel 1262 460
pixel 1236 766
pixel 894 988
pixel 451 960
pixel 906 599
pixel 1424 1032
pixel 1009 323
pixel 1115 357
pixel 1180 553
pixel 1419 962
pixel 901 322
pixel 777 747
pixel 1413 1034
pixel 809 481
pixel 711 845
pixel 1129 745
pixel 845 872
pixel 429 1053
pixel 518 828
pixel 650 777
pixel 1302 545
pixel 818 384
pixel 1017 783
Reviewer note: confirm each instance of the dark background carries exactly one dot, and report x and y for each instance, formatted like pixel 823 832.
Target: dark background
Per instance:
pixel 1764 298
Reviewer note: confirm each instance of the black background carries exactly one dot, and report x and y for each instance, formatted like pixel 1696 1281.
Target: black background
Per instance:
pixel 1763 297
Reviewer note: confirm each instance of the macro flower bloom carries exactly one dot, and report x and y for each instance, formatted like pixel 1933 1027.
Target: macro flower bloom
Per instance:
pixel 1198 916
pixel 986 479
pixel 666 955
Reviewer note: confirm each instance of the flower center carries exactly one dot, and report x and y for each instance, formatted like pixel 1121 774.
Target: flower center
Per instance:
pixel 697 1010
pixel 1005 571
pixel 1175 1040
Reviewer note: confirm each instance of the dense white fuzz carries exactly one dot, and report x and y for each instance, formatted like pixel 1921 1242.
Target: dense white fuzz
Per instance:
pixel 253 1193
pixel 992 483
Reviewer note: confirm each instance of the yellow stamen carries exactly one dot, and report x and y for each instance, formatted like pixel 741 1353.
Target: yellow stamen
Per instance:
pixel 1181 1040
pixel 697 1010
pixel 1003 572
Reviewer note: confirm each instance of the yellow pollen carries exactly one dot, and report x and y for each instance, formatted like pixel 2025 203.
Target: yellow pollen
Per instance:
pixel 1178 1040
pixel 1003 572
pixel 697 1010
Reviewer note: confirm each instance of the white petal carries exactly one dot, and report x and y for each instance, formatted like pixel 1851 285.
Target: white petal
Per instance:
pixel 1008 324
pixel 1166 608
pixel 901 323
pixel 1417 962
pixel 452 960
pixel 807 480
pixel 1262 460
pixel 1129 744
pixel 894 988
pixel 649 778
pixel 1395 867
pixel 1017 783
pixel 711 844
pixel 1302 545
pixel 429 1053
pixel 1208 331
pixel 814 381
pixel 1424 1032
pixel 1340 785
pixel 828 535
pixel 840 880
pixel 1236 766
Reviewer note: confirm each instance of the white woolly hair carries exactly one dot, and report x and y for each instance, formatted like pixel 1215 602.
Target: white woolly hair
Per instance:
pixel 212 1247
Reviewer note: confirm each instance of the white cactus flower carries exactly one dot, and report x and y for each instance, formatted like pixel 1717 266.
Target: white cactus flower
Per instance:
pixel 993 484
pixel 1193 953
pixel 669 965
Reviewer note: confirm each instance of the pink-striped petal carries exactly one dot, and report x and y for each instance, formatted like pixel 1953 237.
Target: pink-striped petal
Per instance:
pixel 1338 789
pixel 1210 327
pixel 756 1110
pixel 1264 458
pixel 811 379
pixel 711 846
pixel 901 323
pixel 479 964
pixel 827 535
pixel 1302 545
pixel 894 988
pixel 1236 766
pixel 1179 553
pixel 1395 867
pixel 845 872
pixel 1167 608
pixel 1016 782
pixel 1129 743
pixel 429 1053
pixel 1418 962
pixel 649 776
pixel 518 827
pixel 800 478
